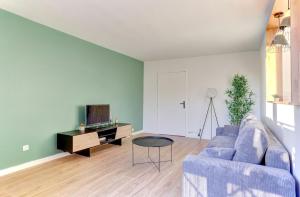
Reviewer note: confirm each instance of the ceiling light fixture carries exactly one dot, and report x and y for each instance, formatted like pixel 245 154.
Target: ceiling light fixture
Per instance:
pixel 286 21
pixel 279 42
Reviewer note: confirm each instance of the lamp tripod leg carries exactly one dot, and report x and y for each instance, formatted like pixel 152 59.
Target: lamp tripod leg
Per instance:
pixel 211 118
pixel 203 126
pixel 213 106
pixel 212 109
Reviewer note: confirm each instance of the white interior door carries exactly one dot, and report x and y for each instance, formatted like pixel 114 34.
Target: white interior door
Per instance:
pixel 171 116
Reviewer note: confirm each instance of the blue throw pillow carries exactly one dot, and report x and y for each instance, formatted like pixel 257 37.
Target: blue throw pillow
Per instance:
pixel 246 119
pixel 251 143
pixel 218 152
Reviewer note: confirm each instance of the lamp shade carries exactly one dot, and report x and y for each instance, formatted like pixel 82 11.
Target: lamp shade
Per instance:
pixel 211 92
pixel 279 40
pixel 286 22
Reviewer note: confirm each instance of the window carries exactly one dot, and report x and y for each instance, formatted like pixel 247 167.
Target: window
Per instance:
pixel 278 62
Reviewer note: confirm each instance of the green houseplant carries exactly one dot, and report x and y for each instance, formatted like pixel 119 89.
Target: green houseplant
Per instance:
pixel 240 99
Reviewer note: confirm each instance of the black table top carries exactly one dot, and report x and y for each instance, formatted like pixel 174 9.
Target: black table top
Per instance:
pixel 152 141
pixel 90 130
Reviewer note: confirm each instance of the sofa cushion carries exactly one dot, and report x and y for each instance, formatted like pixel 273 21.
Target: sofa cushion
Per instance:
pixel 222 141
pixel 251 144
pixel 218 152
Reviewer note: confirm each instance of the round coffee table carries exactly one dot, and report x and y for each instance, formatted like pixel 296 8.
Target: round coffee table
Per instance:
pixel 152 141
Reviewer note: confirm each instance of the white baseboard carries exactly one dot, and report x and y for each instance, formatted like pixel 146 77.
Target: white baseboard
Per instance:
pixel 137 132
pixel 31 164
pixel 40 161
pixel 193 136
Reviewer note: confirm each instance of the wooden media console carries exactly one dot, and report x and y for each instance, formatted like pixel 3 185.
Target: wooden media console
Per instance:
pixel 82 142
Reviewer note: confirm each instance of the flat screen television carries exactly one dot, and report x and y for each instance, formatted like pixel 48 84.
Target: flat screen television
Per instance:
pixel 96 115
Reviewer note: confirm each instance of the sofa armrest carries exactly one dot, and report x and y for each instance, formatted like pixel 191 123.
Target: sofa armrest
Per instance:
pixel 204 176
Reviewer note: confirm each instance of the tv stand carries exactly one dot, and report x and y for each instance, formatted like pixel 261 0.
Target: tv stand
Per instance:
pixel 84 142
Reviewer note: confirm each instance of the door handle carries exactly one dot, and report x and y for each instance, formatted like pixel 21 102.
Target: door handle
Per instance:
pixel 183 104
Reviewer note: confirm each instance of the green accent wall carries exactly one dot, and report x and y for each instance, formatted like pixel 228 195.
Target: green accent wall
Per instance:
pixel 46 79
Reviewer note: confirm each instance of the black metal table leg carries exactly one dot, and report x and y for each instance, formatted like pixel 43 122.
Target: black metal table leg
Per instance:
pixel 150 141
pixel 132 155
pixel 171 154
pixel 159 159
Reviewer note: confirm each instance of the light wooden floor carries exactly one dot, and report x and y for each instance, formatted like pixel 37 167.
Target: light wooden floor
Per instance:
pixel 108 173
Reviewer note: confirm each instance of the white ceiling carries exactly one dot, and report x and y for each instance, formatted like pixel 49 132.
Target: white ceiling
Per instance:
pixel 154 29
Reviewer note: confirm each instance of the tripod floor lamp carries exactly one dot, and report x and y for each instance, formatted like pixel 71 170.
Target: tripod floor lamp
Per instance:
pixel 211 94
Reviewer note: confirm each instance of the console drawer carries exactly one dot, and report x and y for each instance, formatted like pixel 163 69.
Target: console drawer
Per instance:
pixel 123 131
pixel 85 141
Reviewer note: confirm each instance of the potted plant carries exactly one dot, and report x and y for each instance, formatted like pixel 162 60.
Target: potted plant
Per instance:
pixel 240 99
pixel 276 98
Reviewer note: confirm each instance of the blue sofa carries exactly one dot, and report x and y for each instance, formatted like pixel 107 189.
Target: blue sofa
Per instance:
pixel 240 161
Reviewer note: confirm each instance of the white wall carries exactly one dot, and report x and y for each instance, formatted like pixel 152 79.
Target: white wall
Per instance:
pixel 283 120
pixel 203 72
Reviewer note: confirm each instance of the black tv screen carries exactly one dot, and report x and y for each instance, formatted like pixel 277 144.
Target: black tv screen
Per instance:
pixel 97 114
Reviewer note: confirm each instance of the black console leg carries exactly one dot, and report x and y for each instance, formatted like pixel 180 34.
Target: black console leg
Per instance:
pixel 117 142
pixel 85 152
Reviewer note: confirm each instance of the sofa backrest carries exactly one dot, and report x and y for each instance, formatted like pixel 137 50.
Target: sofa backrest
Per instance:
pixel 276 155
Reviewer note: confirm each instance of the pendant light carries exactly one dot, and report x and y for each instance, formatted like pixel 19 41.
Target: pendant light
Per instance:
pixel 279 42
pixel 286 24
pixel 286 21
